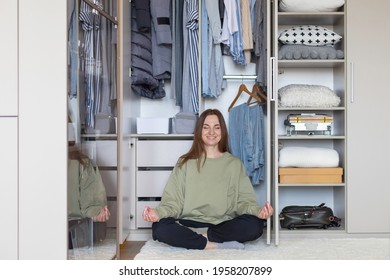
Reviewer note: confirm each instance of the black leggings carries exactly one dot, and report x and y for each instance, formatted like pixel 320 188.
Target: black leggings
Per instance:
pixel 177 232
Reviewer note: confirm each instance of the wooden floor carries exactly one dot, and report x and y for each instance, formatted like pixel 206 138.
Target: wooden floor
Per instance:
pixel 129 249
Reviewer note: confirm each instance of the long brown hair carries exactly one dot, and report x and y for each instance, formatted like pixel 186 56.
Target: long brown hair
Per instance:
pixel 75 153
pixel 197 149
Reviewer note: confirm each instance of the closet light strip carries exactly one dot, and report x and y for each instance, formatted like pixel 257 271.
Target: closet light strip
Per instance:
pixel 247 77
pixel 101 11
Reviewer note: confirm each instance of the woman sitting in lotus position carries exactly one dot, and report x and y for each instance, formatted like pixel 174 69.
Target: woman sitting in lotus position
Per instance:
pixel 208 189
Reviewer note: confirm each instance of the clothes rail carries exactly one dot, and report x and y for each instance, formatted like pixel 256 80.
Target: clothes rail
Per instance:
pixel 240 77
pixel 101 11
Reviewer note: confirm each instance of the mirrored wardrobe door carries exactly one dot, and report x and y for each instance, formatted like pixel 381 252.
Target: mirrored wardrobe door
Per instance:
pixel 92 129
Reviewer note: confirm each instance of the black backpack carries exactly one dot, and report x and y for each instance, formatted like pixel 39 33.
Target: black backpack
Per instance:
pixel 294 216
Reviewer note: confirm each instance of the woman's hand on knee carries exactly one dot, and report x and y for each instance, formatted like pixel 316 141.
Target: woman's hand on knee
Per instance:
pixel 266 211
pixel 150 215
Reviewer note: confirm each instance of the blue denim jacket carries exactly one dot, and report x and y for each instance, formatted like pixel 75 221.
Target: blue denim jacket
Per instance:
pixel 246 137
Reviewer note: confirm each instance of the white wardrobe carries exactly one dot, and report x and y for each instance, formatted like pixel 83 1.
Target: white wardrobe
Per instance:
pixel 9 129
pixel 33 142
pixel 317 71
pixel 33 125
pixel 368 192
pixel 359 129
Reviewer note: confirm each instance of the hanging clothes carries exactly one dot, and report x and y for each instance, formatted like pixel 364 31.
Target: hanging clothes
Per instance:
pixel 232 31
pixel 72 54
pixel 97 89
pixel 246 138
pixel 191 57
pixel 229 25
pixel 260 40
pixel 160 11
pixel 246 24
pixel 114 56
pixel 177 49
pixel 205 50
pixel 142 14
pixel 213 67
pixel 108 57
pixel 143 83
pixel 90 23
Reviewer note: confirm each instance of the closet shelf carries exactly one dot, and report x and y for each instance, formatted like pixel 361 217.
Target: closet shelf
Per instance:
pixel 313 185
pixel 100 136
pixel 311 137
pixel 323 18
pixel 310 63
pixel 311 108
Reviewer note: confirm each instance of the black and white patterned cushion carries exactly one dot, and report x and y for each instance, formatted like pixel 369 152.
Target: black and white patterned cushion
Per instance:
pixel 310 35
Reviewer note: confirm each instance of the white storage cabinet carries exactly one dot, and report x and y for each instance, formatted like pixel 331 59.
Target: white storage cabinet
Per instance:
pixel 154 158
pixel 323 72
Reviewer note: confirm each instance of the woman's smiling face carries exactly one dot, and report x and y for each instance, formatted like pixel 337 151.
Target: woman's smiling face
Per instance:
pixel 211 131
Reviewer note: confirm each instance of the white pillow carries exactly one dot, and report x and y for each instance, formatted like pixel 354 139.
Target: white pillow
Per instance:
pixel 308 157
pixel 310 5
pixel 310 35
pixel 296 95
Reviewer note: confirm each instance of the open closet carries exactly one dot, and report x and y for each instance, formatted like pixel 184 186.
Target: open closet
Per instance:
pixel 37 92
pixel 215 79
pixel 184 62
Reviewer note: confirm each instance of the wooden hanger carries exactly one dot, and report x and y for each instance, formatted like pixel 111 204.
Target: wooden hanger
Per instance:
pixel 258 92
pixel 242 89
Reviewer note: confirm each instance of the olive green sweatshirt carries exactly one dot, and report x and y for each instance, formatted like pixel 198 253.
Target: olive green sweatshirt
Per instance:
pixel 86 190
pixel 219 192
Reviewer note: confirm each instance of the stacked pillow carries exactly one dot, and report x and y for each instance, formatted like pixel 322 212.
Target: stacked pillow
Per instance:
pixel 303 95
pixel 309 35
pixel 309 41
pixel 310 5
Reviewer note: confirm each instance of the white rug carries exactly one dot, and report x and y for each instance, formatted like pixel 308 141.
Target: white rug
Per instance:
pixel 102 251
pixel 288 249
pixel 105 250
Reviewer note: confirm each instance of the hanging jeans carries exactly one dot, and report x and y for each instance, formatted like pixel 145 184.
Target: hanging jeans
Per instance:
pixel 177 232
pixel 246 137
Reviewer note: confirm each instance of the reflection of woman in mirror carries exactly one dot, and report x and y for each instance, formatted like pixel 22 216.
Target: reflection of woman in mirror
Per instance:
pixel 86 192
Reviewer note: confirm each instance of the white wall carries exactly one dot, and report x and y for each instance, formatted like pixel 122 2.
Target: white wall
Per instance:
pixel 42 129
pixel 9 129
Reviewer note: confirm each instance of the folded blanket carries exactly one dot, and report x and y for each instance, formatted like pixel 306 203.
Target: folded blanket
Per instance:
pixel 308 157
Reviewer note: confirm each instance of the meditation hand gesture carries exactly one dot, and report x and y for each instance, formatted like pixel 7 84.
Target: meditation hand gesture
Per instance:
pixel 150 215
pixel 266 211
pixel 103 215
